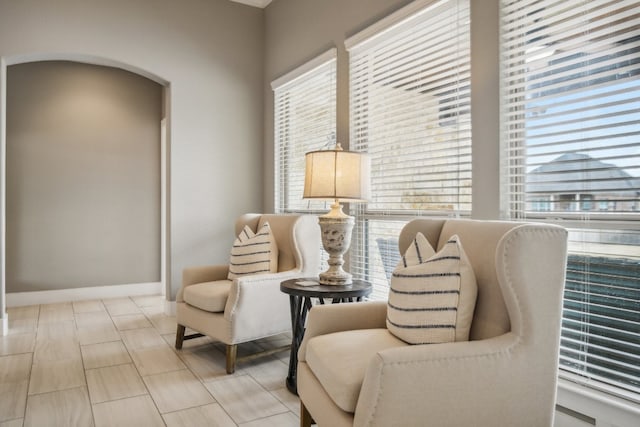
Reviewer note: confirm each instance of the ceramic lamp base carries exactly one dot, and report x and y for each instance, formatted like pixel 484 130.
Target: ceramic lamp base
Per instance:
pixel 340 279
pixel 336 238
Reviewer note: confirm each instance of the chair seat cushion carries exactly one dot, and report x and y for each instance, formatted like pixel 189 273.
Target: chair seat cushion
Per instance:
pixel 339 361
pixel 208 296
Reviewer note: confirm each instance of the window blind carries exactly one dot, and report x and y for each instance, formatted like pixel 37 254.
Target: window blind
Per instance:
pixel 410 110
pixel 600 326
pixel 304 120
pixel 571 134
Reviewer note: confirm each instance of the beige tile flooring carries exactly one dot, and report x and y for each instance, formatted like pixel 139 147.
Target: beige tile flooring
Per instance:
pixel 112 363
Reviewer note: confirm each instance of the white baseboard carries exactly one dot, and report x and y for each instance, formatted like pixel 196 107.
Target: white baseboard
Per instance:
pixel 5 325
pixel 19 299
pixel 169 308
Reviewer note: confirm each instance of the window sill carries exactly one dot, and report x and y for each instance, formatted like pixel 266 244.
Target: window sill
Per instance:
pixel 605 409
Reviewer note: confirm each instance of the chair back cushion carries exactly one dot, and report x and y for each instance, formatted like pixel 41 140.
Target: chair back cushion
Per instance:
pixel 480 240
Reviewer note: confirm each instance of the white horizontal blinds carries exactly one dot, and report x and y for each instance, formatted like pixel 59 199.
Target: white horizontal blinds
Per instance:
pixel 305 120
pixel 374 252
pixel 601 317
pixel 572 91
pixel 410 110
pixel 571 111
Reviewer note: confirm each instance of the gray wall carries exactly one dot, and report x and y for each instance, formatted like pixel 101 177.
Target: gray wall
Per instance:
pixel 299 30
pixel 210 56
pixel 83 177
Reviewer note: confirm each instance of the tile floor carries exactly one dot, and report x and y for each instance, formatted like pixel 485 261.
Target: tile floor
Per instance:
pixel 112 363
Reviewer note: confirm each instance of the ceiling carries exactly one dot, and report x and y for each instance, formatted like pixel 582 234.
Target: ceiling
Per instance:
pixel 256 3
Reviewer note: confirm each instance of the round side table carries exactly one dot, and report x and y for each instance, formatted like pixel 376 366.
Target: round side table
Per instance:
pixel 300 300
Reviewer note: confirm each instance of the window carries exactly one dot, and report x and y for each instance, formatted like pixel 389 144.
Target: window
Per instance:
pixel 305 120
pixel 571 111
pixel 410 110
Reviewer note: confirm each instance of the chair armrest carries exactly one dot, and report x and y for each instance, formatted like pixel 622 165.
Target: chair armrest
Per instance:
pixel 250 293
pixel 201 274
pixel 257 308
pixel 419 382
pixel 326 319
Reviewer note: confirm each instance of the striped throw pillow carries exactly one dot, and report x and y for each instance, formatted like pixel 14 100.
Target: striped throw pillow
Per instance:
pixel 253 253
pixel 433 301
pixel 418 252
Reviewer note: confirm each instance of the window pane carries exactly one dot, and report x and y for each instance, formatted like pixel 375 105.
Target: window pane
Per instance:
pixel 571 122
pixel 601 332
pixel 305 120
pixel 410 110
pixel 375 247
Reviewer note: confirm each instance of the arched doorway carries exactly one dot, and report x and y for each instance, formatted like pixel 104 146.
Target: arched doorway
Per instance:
pixel 20 236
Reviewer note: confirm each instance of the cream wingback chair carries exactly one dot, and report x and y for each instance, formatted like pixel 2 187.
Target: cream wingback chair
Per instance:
pixel 353 372
pixel 249 307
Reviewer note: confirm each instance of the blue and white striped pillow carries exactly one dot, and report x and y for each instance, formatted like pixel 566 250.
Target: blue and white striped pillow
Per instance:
pixel 253 253
pixel 418 252
pixel 433 301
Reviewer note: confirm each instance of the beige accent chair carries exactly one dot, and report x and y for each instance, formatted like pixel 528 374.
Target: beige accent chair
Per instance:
pixel 249 307
pixel 353 372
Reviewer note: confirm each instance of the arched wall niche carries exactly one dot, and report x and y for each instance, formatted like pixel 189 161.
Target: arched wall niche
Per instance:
pixel 165 125
pixel 85 59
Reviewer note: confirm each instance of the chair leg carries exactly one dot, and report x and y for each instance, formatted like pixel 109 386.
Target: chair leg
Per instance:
pixel 232 351
pixel 305 417
pixel 179 336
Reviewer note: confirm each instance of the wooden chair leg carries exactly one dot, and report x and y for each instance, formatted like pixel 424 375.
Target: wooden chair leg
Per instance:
pixel 179 336
pixel 305 417
pixel 232 351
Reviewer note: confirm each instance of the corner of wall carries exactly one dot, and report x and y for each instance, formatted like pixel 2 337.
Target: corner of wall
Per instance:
pixel 3 145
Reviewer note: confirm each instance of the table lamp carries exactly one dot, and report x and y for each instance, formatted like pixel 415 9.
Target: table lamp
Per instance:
pixel 336 175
